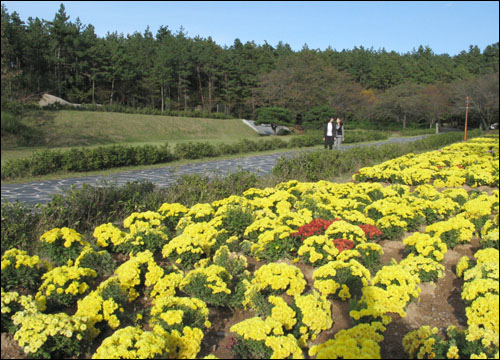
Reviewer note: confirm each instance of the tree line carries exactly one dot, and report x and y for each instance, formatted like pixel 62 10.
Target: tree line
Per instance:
pixel 172 71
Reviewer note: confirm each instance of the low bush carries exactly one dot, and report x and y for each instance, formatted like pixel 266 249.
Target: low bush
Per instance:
pixel 19 226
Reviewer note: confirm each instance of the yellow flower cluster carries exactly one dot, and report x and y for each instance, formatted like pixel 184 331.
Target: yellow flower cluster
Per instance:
pixel 451 166
pixel 216 278
pixel 316 315
pixel 282 312
pixel 482 318
pixel 284 347
pixel 420 340
pixel 129 273
pixel 37 329
pixel 479 209
pixel 455 230
pixel 424 268
pixel 172 210
pixel 168 284
pixel 392 289
pixel 18 258
pixel 340 279
pixel 136 222
pixel 426 246
pixel 198 213
pixel 481 291
pixel 171 310
pixel 359 342
pixel 108 233
pixel 197 239
pixel 98 308
pixel 344 230
pixel 270 332
pixel 462 265
pixel 318 249
pixel 11 303
pixel 278 277
pixel 399 206
pixel 132 343
pixel 63 280
pixel 257 329
pixel 69 236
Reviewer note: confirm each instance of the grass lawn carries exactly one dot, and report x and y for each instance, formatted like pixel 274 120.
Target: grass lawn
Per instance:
pixel 65 129
pixel 85 128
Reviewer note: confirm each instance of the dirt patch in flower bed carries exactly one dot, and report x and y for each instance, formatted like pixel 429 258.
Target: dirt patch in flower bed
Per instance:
pixel 10 348
pixel 440 304
pixel 217 340
pixel 392 250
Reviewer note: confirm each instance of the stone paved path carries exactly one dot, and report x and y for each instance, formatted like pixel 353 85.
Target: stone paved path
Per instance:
pixel 42 191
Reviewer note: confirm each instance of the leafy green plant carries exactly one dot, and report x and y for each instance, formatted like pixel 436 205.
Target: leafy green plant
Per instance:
pixel 20 226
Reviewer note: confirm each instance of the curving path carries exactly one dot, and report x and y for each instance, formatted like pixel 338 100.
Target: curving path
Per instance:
pixel 42 191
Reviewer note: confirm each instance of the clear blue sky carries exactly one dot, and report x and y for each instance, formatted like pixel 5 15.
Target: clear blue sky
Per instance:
pixel 446 26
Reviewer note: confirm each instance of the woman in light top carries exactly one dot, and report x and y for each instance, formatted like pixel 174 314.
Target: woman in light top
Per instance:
pixel 339 133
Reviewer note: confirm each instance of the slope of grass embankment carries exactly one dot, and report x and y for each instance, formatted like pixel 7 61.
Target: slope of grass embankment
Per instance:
pixel 66 129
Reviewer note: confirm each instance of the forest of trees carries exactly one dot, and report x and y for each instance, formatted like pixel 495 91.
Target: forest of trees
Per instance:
pixel 171 71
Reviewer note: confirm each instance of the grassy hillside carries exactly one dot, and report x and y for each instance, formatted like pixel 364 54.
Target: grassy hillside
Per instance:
pixel 65 129
pixel 82 128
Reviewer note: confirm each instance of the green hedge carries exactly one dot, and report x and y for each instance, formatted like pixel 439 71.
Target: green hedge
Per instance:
pixel 107 157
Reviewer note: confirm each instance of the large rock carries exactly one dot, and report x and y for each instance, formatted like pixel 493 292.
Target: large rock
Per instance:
pixel 48 99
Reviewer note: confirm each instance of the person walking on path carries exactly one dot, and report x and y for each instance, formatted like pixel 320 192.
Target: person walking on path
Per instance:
pixel 339 133
pixel 328 133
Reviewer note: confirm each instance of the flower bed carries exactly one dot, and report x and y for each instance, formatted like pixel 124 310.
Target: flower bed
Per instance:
pixel 268 255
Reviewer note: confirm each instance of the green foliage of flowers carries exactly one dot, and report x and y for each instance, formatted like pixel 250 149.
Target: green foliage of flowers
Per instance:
pixel 275 244
pixel 99 261
pixel 489 234
pixel 369 255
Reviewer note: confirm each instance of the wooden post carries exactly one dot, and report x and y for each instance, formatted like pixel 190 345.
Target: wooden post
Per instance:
pixel 466 114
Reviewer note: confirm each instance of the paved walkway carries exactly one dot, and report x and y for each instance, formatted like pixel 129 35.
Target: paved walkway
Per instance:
pixel 42 191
